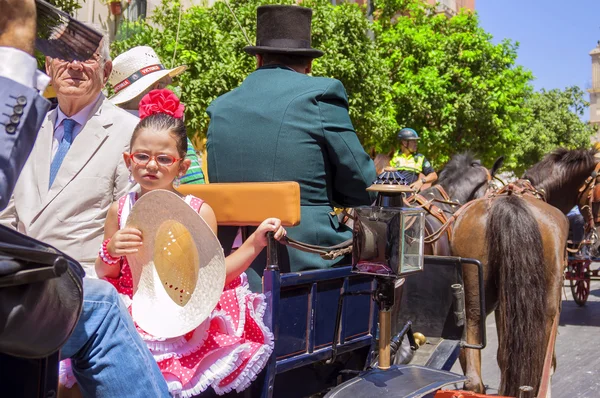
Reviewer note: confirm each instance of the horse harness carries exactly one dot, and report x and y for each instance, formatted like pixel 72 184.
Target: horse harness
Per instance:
pixel 591 191
pixel 446 214
pixel 439 206
pixel 522 187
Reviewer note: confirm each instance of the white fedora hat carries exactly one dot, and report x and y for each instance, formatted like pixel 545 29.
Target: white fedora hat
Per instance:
pixel 179 271
pixel 135 70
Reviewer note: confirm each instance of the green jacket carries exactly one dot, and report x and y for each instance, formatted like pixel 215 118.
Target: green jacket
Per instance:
pixel 280 125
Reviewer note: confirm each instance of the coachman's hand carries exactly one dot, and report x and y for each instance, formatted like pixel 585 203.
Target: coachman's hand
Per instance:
pixel 18 24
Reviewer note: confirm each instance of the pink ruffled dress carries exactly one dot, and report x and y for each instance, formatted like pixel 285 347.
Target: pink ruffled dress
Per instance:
pixel 225 352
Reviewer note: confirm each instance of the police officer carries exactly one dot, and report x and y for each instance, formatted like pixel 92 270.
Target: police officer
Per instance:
pixel 414 167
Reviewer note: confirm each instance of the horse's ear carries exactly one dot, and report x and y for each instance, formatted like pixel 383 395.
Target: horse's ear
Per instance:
pixel 372 153
pixel 497 164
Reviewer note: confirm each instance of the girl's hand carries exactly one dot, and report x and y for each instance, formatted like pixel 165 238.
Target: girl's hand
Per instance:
pixel 269 225
pixel 125 241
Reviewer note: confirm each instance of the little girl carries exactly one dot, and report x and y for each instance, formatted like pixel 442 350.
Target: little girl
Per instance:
pixel 229 349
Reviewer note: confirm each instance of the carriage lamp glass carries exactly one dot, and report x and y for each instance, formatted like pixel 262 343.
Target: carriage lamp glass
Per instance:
pixel 388 241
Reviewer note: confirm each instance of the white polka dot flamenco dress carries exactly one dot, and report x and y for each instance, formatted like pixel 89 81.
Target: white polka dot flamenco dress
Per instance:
pixel 225 352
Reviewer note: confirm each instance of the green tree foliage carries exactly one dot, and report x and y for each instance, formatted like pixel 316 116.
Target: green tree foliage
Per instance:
pixel 211 41
pixel 554 122
pixel 68 6
pixel 441 76
pixel 450 82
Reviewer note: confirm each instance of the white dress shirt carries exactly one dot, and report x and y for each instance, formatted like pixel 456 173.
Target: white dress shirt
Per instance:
pixel 80 117
pixel 22 68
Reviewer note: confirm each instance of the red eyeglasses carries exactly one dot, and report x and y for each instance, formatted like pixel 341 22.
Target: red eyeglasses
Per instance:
pixel 142 159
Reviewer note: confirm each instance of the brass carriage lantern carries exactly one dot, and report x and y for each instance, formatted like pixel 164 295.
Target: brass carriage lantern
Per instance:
pixel 388 238
pixel 388 242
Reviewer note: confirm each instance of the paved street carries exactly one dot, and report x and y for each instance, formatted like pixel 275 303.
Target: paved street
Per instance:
pixel 577 348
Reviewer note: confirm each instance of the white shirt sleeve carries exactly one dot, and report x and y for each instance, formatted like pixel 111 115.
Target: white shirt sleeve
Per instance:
pixel 22 68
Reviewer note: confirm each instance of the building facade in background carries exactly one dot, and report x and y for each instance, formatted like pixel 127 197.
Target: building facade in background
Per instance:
pixel 595 89
pixel 452 7
pixel 100 13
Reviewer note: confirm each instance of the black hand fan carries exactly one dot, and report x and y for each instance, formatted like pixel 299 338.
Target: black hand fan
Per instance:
pixel 61 36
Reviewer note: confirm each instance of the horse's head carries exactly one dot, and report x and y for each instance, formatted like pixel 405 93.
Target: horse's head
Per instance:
pixel 381 160
pixel 588 201
pixel 568 178
pixel 465 178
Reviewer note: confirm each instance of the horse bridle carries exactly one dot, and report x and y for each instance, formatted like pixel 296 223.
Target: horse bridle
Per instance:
pixel 590 190
pixel 446 226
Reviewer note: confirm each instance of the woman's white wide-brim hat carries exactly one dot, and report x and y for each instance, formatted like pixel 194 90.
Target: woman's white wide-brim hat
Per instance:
pixel 179 271
pixel 135 70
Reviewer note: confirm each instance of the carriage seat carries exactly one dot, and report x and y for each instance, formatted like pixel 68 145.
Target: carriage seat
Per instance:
pixel 250 203
pixel 302 306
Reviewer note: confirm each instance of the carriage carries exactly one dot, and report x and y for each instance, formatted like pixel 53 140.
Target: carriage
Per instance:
pixel 351 355
pixel 328 323
pixel 580 273
pixel 335 331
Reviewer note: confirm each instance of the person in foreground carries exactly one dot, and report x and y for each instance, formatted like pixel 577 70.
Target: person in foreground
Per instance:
pixel 104 334
pixel 228 357
pixel 75 170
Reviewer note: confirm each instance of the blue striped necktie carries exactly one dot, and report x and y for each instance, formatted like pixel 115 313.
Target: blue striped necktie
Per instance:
pixel 63 148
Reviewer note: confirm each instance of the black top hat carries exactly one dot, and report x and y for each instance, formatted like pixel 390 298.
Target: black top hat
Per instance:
pixel 283 30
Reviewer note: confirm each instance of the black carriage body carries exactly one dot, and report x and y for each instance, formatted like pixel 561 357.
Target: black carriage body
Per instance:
pixel 302 317
pixel 302 311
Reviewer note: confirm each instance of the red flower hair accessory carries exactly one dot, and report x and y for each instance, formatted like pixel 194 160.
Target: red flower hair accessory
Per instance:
pixel 161 101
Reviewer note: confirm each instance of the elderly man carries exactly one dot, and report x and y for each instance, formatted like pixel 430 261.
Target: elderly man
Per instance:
pixel 105 349
pixel 281 124
pixel 76 169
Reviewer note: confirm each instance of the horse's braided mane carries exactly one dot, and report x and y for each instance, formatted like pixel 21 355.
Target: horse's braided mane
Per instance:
pixel 560 166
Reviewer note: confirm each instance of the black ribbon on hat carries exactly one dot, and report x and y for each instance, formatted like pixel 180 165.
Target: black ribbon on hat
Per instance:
pixel 284 43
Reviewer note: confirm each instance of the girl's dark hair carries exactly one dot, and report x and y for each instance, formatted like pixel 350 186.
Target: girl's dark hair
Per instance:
pixel 162 121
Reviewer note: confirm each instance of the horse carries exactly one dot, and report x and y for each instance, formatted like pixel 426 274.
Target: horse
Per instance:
pixel 381 160
pixel 463 179
pixel 523 252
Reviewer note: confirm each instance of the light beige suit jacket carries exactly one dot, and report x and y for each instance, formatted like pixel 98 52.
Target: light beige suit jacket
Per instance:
pixel 70 216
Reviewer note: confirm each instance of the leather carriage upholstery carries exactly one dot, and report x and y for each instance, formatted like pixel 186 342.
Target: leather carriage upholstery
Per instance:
pixel 250 203
pixel 302 306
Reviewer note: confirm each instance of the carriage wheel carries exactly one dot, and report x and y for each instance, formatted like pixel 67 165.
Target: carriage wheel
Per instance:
pixel 580 281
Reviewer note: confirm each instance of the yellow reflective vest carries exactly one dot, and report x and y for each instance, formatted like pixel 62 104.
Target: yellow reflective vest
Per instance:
pixel 408 162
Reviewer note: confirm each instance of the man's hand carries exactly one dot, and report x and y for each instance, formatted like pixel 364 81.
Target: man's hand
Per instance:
pixel 18 24
pixel 417 185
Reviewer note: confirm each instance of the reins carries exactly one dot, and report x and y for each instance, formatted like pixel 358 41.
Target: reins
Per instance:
pixel 326 252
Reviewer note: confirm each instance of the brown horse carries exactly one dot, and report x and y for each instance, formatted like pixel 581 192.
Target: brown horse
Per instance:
pixel 381 160
pixel 521 241
pixel 462 180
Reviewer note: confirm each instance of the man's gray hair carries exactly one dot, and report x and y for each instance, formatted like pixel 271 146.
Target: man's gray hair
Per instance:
pixel 104 48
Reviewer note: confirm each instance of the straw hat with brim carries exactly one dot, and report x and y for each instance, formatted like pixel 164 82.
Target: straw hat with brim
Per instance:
pixel 179 271
pixel 283 30
pixel 135 71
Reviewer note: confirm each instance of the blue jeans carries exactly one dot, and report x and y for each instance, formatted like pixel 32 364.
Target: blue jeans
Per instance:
pixel 108 357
